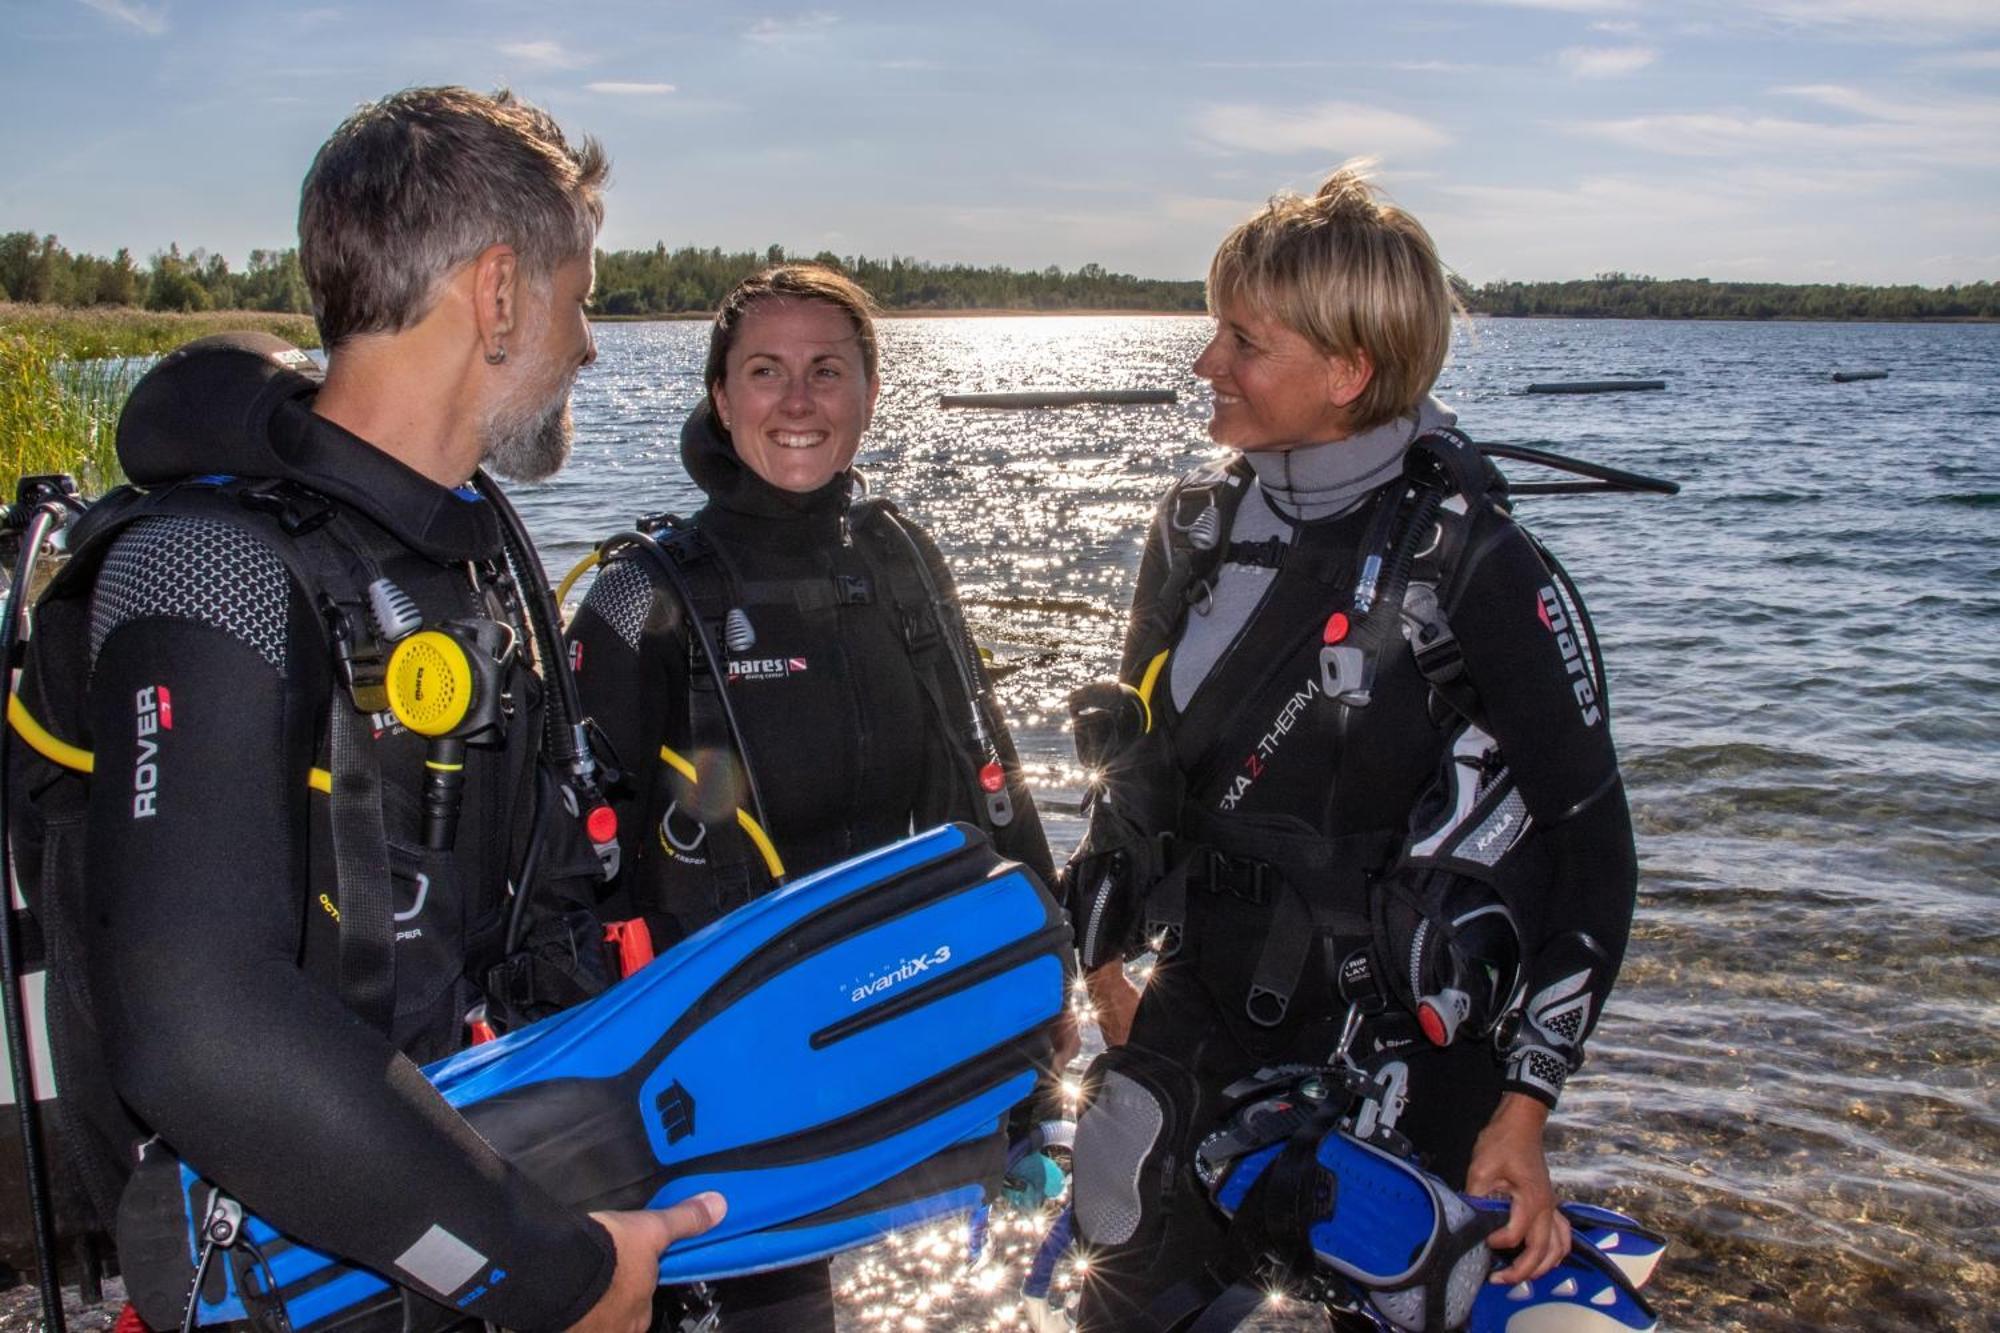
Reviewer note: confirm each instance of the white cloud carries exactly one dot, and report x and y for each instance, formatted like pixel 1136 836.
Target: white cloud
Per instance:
pixel 1207 210
pixel 1978 60
pixel 1327 129
pixel 795 28
pixel 149 19
pixel 616 88
pixel 1565 6
pixel 1953 132
pixel 1710 224
pixel 552 55
pixel 1892 15
pixel 1606 62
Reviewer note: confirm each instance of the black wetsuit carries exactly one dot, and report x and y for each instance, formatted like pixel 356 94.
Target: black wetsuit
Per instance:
pixel 848 751
pixel 210 909
pixel 1255 762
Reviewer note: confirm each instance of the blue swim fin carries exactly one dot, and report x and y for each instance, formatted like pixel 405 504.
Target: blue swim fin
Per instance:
pixel 1410 1245
pixel 1585 1293
pixel 1414 1252
pixel 1634 1248
pixel 897 1004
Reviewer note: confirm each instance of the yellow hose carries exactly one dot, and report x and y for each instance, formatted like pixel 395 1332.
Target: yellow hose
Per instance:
pixel 744 819
pixel 569 579
pixel 47 746
pixel 1146 685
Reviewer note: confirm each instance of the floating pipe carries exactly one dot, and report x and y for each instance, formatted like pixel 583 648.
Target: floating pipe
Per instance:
pixel 1849 376
pixel 1059 398
pixel 1596 386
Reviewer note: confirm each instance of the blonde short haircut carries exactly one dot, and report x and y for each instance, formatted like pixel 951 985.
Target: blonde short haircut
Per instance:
pixel 1349 273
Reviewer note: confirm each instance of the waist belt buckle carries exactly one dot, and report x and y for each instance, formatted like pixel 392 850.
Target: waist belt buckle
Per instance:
pixel 1239 877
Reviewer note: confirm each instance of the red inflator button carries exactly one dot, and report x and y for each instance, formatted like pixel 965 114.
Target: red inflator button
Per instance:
pixel 1432 1022
pixel 1336 628
pixel 992 777
pixel 601 824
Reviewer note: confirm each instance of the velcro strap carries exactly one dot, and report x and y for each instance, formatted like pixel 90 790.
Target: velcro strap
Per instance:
pixel 361 870
pixel 1166 904
pixel 1273 1224
pixel 1280 962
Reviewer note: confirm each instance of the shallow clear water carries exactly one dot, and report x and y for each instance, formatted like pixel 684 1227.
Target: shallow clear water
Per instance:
pixel 1797 1076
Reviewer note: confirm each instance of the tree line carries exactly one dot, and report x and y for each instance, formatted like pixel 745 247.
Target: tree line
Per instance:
pixel 660 281
pixel 1623 296
pixel 692 280
pixel 39 269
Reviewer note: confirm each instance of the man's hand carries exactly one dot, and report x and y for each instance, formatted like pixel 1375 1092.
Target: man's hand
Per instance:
pixel 1507 1163
pixel 639 1239
pixel 1115 998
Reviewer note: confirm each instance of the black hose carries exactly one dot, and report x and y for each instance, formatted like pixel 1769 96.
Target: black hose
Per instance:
pixel 1610 478
pixel 531 860
pixel 958 645
pixel 41 1208
pixel 565 704
pixel 1580 617
pixel 717 665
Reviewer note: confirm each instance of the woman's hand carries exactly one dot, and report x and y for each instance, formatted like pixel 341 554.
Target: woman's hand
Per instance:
pixel 1507 1163
pixel 1115 998
pixel 1065 1041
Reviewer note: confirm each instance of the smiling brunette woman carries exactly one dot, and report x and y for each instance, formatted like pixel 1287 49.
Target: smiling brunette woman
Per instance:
pixel 848 708
pixel 1277 773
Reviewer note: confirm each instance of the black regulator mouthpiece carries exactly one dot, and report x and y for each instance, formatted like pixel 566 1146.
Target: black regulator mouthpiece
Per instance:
pixel 447 683
pixel 1105 716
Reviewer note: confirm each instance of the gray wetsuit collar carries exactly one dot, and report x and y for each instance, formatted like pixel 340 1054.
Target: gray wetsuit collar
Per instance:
pixel 1317 481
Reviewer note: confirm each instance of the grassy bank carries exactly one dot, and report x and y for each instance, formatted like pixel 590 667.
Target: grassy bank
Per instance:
pixel 64 375
pixel 101 331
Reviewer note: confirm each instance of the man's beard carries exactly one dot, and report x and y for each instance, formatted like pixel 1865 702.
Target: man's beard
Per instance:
pixel 529 446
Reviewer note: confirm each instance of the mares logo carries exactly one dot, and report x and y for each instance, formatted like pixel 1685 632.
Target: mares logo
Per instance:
pixel 153 713
pixel 765 668
pixel 903 971
pixel 1556 621
pixel 1267 744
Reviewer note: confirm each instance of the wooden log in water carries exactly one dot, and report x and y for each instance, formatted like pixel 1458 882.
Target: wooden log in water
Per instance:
pixel 1849 376
pixel 1058 398
pixel 1596 386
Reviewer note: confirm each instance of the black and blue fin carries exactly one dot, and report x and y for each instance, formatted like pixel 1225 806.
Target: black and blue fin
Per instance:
pixel 898 1005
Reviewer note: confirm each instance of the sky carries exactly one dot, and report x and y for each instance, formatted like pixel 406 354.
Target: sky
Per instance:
pixel 1766 140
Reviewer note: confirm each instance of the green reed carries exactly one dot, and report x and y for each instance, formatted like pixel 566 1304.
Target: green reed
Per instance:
pixel 58 415
pixel 64 375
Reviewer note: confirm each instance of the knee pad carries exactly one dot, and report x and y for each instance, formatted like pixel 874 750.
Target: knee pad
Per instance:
pixel 1138 1106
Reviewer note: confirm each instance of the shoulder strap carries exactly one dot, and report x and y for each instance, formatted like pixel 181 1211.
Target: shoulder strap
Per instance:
pixel 945 657
pixel 699 578
pixel 1194 522
pixel 327 561
pixel 1449 461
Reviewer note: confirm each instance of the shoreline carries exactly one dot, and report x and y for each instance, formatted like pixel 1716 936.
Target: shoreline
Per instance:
pixel 977 312
pixel 953 312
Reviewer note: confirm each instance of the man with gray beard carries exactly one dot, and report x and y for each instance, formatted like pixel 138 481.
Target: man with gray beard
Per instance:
pixel 240 1012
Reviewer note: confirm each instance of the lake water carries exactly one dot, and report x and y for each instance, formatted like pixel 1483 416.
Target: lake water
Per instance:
pixel 1797 1074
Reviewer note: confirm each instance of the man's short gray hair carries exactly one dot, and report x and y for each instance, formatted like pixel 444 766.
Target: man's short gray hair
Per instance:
pixel 412 186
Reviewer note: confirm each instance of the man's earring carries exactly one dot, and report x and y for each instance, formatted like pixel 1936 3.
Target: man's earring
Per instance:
pixel 496 356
